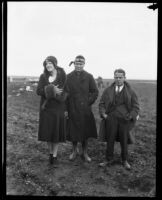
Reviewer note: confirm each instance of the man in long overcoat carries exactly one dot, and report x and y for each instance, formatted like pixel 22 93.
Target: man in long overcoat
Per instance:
pixel 119 107
pixel 82 94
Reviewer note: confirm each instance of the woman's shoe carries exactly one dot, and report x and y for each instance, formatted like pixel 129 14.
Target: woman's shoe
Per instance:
pixel 106 163
pixel 55 161
pixel 51 158
pixel 103 164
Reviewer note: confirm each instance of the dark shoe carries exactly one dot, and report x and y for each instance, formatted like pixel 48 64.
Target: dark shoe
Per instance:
pixel 106 163
pixel 73 156
pixel 103 164
pixel 126 165
pixel 55 161
pixel 51 158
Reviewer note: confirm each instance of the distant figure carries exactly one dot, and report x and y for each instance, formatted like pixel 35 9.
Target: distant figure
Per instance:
pixel 119 108
pixel 100 82
pixel 52 120
pixel 107 84
pixel 82 94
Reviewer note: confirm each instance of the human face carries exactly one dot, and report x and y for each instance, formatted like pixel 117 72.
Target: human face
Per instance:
pixel 79 65
pixel 49 66
pixel 119 78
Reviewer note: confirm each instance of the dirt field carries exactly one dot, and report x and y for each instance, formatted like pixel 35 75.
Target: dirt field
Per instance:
pixel 28 171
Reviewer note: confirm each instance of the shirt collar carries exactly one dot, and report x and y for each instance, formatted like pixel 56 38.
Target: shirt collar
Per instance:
pixel 120 88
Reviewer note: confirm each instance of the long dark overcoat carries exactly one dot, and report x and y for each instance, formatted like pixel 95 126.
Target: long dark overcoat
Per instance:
pixel 82 94
pixel 52 123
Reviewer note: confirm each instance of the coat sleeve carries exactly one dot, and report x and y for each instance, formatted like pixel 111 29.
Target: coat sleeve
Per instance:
pixel 102 105
pixel 63 78
pixel 93 91
pixel 67 99
pixel 41 86
pixel 135 106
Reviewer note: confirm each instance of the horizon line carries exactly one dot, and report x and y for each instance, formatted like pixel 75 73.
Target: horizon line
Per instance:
pixel 94 77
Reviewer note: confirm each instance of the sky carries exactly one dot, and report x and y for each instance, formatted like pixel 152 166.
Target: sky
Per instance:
pixel 108 35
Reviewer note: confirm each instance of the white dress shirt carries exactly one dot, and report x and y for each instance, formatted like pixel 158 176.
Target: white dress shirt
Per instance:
pixel 120 88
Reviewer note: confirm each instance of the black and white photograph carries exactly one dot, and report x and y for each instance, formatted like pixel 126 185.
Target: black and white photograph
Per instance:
pixel 81 95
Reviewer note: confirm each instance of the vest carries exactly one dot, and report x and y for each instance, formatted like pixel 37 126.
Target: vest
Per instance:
pixel 120 109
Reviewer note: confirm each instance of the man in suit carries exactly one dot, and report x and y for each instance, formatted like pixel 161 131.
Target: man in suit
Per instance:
pixel 119 107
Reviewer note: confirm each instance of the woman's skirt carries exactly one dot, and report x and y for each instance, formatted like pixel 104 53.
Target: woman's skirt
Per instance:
pixel 52 125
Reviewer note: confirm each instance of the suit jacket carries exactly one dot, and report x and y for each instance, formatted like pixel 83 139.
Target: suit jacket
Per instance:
pixel 106 105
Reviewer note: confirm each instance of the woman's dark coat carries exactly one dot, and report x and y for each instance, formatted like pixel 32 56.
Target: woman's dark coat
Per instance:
pixel 52 124
pixel 82 93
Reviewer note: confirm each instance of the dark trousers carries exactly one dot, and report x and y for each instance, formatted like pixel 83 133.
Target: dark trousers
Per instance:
pixel 116 126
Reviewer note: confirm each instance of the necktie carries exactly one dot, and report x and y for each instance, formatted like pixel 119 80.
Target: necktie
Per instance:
pixel 118 90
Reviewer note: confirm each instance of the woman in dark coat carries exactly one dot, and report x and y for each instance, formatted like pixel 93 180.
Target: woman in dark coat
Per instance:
pixel 52 115
pixel 82 94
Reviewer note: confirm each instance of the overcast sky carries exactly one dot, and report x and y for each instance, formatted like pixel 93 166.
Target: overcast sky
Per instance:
pixel 108 35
